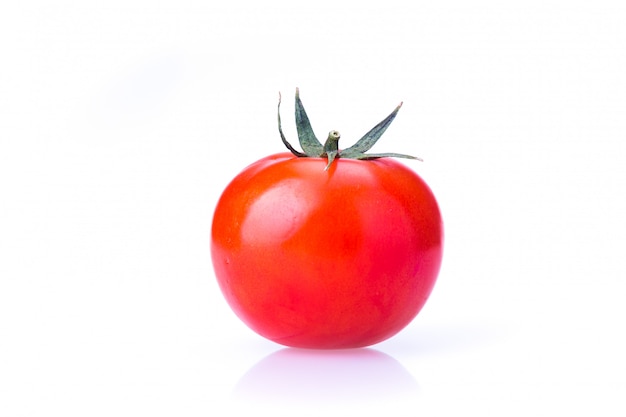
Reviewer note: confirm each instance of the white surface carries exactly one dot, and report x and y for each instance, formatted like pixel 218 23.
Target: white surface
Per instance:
pixel 119 123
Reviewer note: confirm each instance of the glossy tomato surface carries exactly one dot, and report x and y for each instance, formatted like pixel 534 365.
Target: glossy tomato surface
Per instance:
pixel 341 258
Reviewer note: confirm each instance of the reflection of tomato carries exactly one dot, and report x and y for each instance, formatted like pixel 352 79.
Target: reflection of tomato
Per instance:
pixel 337 258
pixel 291 379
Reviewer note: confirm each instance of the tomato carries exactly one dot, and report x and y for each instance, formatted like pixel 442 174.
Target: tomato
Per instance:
pixel 341 257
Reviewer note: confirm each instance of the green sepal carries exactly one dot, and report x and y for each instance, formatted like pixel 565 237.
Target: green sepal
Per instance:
pixel 366 142
pixel 309 143
pixel 366 156
pixel 282 135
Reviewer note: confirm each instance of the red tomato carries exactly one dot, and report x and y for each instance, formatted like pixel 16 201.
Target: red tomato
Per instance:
pixel 337 258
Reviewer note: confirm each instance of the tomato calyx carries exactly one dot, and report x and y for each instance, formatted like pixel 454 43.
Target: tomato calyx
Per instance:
pixel 313 148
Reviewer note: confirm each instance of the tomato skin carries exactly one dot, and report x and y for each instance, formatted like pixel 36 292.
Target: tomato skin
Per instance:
pixel 342 258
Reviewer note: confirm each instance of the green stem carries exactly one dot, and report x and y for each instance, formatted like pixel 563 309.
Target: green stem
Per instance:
pixel 331 147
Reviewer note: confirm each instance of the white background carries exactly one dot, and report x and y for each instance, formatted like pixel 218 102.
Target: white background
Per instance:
pixel 122 121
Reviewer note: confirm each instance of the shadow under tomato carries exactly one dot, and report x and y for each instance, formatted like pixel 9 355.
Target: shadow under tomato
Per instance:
pixel 317 378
